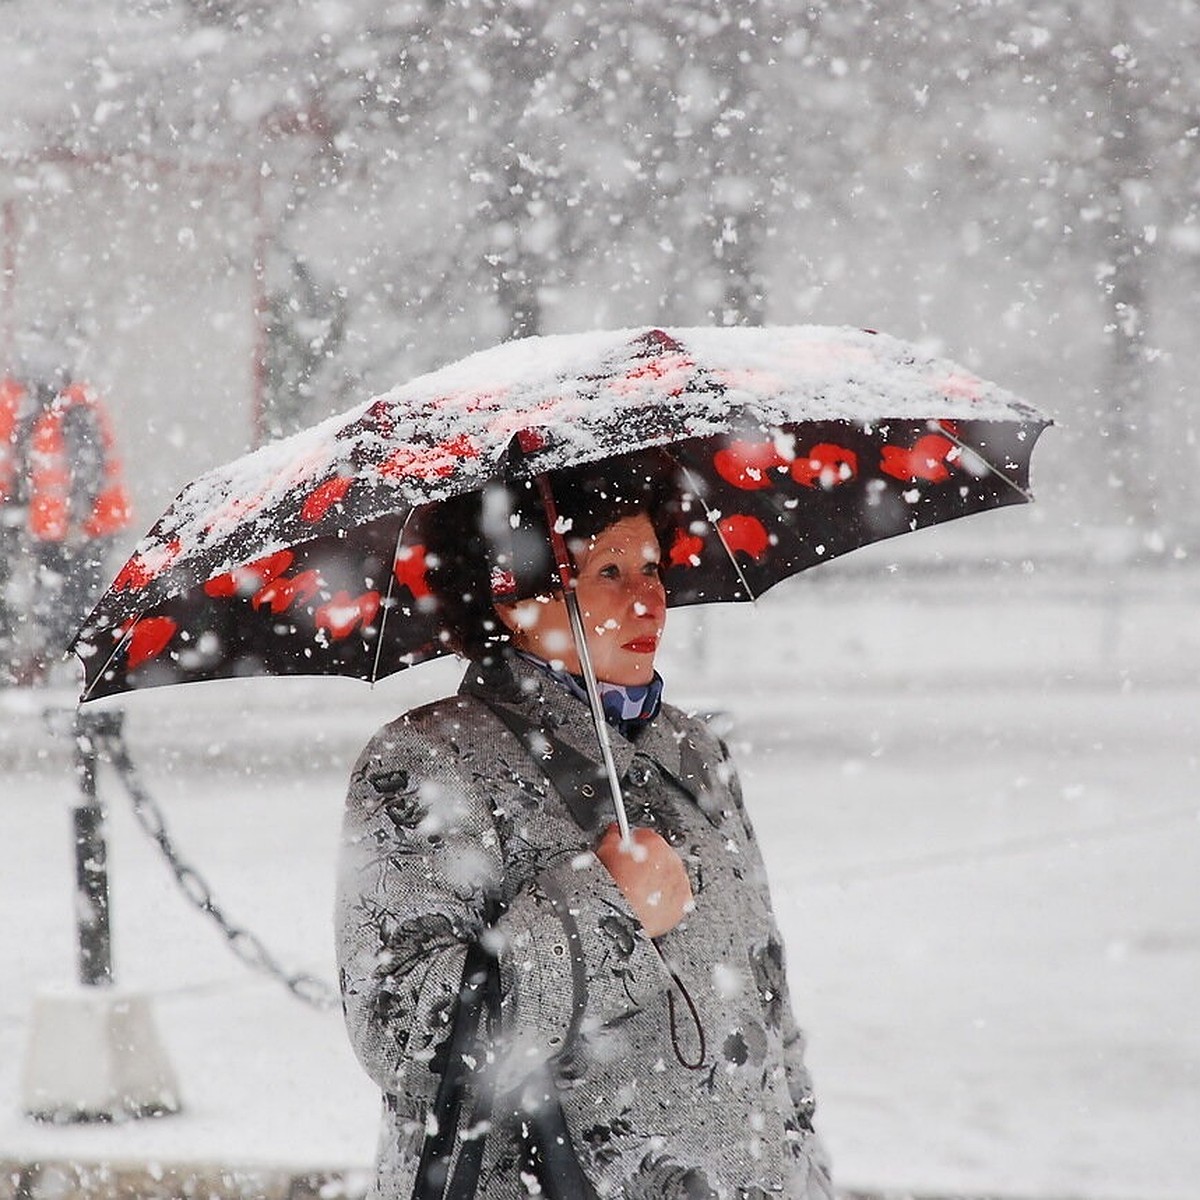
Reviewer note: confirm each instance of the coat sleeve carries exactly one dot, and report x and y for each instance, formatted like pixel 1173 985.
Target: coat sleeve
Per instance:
pixel 420 850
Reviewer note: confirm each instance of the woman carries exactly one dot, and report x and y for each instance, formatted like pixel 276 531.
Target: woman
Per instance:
pixel 641 1044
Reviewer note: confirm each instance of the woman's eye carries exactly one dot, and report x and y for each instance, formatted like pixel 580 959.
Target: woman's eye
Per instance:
pixel 611 571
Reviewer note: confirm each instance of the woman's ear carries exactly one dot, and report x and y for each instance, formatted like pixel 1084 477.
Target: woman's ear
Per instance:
pixel 522 615
pixel 507 614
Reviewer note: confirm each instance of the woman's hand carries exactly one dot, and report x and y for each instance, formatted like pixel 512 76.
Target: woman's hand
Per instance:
pixel 650 875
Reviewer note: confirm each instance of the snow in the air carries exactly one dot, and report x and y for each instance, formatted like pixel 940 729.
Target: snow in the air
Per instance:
pixel 971 753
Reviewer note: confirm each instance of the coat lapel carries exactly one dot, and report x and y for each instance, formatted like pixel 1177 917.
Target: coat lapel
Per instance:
pixel 688 764
pixel 556 728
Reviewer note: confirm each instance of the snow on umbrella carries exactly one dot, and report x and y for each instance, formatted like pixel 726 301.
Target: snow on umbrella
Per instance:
pixel 792 444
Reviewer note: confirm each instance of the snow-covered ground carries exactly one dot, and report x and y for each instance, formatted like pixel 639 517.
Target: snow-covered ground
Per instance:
pixel 979 794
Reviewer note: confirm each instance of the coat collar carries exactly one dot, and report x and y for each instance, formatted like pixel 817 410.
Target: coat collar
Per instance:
pixel 520 689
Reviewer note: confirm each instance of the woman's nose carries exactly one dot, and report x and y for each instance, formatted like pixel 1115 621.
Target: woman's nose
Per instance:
pixel 649 599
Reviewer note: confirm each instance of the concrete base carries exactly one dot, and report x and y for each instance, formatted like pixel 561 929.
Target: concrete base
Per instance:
pixel 94 1055
pixel 74 1180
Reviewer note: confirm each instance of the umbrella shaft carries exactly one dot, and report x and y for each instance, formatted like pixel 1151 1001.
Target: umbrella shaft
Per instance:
pixel 597 707
pixel 566 575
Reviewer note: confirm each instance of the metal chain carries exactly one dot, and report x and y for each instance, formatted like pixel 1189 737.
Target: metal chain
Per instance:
pixel 245 945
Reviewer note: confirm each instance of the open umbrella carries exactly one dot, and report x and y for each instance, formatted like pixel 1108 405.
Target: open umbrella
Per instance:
pixel 791 445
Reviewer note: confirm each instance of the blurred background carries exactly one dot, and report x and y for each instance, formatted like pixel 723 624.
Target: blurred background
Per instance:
pixel 239 216
pixel 972 754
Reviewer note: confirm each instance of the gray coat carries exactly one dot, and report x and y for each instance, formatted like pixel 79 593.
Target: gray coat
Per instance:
pixel 677 1062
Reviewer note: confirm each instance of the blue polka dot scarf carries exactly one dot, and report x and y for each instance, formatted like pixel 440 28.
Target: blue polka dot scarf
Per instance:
pixel 626 707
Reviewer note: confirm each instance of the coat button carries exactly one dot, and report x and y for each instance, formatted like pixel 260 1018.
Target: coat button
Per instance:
pixel 640 773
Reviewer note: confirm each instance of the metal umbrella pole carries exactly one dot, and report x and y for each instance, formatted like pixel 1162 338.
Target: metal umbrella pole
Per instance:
pixel 566 575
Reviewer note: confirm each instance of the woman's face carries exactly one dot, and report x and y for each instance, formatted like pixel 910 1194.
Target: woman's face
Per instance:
pixel 621 596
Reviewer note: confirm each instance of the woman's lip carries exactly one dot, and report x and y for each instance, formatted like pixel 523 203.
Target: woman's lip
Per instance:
pixel 646 645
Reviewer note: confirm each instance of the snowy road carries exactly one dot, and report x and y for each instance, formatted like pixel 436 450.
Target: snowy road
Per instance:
pixel 988 877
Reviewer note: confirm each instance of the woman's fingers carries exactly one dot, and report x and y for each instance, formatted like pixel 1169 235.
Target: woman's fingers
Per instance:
pixel 650 875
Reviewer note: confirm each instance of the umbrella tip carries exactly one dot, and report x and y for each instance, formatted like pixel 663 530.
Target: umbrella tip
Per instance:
pixel 655 342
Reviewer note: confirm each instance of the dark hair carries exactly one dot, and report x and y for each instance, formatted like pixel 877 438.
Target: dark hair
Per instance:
pixel 502 528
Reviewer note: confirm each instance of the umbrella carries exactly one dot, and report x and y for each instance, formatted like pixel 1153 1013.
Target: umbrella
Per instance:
pixel 793 444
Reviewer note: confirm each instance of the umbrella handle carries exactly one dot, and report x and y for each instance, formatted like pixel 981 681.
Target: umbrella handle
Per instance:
pixel 566 575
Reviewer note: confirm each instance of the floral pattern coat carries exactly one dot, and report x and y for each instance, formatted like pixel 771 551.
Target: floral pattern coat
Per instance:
pixel 677 1062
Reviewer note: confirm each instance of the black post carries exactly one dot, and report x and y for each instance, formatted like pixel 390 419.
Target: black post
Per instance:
pixel 91 853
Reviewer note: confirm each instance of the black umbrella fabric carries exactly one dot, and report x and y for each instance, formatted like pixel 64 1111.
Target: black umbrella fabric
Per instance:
pixel 786 446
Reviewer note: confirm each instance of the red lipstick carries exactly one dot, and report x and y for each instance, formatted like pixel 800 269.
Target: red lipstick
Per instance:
pixel 642 645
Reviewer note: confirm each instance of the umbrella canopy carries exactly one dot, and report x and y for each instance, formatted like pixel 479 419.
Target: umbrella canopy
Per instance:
pixel 792 444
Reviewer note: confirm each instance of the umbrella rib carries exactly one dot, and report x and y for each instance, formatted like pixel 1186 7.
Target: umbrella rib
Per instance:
pixel 386 607
pixel 91 687
pixel 708 513
pixel 1025 493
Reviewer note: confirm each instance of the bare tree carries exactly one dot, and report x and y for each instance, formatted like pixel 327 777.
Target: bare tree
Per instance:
pixel 1064 130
